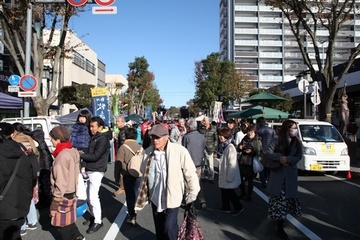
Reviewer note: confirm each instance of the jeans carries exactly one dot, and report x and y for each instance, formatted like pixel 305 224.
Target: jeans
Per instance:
pixel 31 217
pixel 94 184
pixel 166 225
pixel 131 185
pixel 209 161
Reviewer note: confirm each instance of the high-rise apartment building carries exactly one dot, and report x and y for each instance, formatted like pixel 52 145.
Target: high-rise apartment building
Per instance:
pixel 260 43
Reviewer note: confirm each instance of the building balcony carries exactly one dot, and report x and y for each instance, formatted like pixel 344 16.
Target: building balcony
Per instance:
pixel 270 66
pixel 270 55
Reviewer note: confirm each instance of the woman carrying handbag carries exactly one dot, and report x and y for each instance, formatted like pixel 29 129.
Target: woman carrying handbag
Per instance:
pixel 64 177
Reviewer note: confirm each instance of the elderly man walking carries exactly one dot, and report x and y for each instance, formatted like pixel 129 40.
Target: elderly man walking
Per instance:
pixel 195 144
pixel 166 167
pixel 211 143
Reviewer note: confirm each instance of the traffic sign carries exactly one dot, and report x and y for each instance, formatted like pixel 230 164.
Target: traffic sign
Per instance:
pixel 104 3
pixel 303 85
pixel 14 80
pixel 315 95
pixel 28 83
pixel 77 3
pixel 104 10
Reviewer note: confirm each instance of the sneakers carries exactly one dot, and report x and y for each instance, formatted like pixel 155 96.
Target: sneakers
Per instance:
pixel 23 232
pixel 223 210
pixel 31 226
pixel 81 237
pixel 237 212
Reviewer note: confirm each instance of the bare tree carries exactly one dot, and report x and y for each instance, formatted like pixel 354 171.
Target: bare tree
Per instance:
pixel 52 19
pixel 306 18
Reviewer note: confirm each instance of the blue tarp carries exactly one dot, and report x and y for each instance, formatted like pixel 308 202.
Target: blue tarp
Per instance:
pixel 10 102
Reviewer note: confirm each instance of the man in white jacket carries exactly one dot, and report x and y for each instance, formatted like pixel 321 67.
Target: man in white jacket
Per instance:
pixel 169 168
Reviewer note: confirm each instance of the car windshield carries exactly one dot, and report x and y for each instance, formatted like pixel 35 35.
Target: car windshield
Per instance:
pixel 320 133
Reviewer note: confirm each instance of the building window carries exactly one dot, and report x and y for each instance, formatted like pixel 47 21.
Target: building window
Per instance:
pixel 79 60
pixel 90 67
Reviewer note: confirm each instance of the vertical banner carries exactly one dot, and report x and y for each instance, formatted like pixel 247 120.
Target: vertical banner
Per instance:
pixel 100 102
pixel 148 113
pixel 217 113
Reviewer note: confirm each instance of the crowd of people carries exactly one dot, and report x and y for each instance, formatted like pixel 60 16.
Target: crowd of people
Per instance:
pixel 177 158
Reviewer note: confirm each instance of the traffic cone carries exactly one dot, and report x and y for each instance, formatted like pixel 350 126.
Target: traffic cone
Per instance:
pixel 348 176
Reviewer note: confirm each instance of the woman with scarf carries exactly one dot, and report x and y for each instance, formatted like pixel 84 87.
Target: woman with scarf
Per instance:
pixel 229 175
pixel 64 176
pixel 283 182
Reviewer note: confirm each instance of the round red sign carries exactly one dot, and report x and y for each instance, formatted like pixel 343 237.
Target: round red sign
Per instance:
pixel 77 3
pixel 104 3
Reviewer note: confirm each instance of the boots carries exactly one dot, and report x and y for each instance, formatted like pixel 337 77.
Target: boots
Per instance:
pixel 280 230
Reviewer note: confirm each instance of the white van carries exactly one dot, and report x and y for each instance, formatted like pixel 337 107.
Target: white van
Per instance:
pixel 40 122
pixel 324 149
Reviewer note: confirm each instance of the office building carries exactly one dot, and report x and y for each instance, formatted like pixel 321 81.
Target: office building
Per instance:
pixel 260 43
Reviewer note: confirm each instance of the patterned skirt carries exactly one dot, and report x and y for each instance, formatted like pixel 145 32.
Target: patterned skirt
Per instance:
pixel 280 206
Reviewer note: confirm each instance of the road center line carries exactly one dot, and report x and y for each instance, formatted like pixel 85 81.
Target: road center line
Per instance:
pixel 116 225
pixel 302 228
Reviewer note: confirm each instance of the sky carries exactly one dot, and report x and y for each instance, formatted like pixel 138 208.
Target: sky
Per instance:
pixel 170 34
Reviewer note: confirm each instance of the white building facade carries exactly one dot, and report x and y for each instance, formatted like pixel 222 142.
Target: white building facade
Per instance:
pixel 80 67
pixel 259 41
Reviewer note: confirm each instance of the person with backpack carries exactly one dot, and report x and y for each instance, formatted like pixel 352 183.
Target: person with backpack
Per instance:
pixel 131 183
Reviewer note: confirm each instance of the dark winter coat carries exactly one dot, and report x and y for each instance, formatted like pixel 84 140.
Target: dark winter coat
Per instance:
pixel 16 201
pixel 121 137
pixel 266 134
pixel 45 156
pixel 285 173
pixel 211 138
pixel 99 151
pixel 80 137
pixel 195 144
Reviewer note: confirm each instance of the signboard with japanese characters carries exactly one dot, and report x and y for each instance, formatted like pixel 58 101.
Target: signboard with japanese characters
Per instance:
pixel 101 108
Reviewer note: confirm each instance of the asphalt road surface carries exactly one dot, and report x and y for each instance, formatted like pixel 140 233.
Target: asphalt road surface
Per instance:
pixel 330 204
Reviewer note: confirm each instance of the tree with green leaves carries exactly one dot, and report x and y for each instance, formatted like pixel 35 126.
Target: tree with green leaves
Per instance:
pixel 79 95
pixel 306 20
pixel 141 89
pixel 215 80
pixel 51 18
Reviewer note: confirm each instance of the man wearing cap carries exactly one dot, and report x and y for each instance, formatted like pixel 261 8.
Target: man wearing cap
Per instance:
pixel 166 170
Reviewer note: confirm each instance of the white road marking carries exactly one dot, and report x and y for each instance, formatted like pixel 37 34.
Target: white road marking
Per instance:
pixel 307 232
pixel 116 225
pixel 344 180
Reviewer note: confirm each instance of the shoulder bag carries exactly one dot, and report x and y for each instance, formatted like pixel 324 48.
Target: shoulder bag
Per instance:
pixel 10 180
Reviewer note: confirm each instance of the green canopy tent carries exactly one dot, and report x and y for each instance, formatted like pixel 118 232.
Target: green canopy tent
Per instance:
pixel 259 111
pixel 264 97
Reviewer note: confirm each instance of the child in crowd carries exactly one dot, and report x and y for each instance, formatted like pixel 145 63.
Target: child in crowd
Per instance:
pixel 80 137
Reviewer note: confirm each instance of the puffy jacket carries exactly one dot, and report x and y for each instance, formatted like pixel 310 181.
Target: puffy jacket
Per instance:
pixel 99 152
pixel 16 201
pixel 80 136
pixel 211 138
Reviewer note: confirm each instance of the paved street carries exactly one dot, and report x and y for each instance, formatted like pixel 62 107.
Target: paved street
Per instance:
pixel 330 211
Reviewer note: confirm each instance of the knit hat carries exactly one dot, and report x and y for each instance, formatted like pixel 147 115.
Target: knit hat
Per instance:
pixel 60 133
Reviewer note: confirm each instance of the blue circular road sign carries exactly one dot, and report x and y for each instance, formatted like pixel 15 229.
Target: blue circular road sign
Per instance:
pixel 14 80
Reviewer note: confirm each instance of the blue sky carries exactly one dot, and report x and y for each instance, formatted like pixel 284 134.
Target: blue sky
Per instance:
pixel 170 34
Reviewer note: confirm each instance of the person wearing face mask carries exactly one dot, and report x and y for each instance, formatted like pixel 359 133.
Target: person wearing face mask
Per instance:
pixel 283 183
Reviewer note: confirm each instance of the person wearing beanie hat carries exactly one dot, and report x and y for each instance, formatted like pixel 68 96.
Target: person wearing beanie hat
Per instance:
pixel 63 177
pixel 15 203
pixel 166 167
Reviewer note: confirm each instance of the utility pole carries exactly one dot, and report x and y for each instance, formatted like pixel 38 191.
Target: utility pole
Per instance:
pixel 28 53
